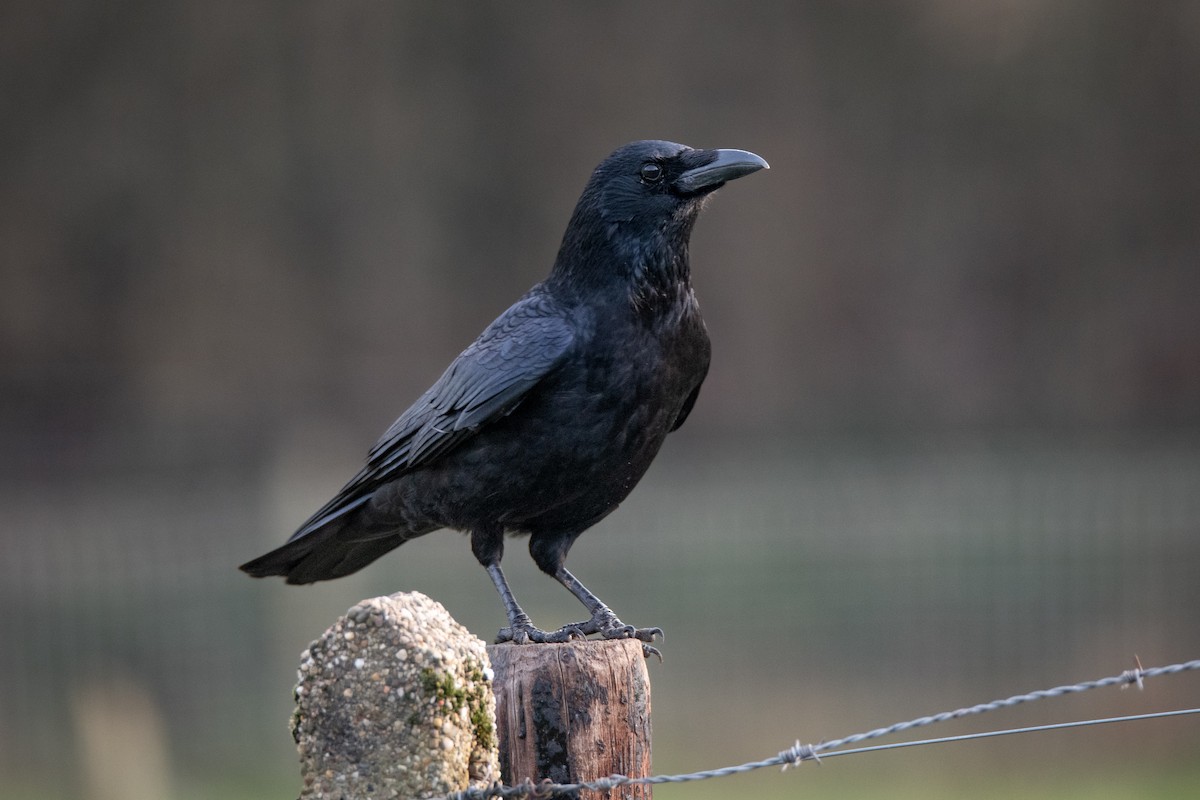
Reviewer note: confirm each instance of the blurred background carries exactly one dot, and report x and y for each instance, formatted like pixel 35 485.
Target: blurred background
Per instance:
pixel 949 449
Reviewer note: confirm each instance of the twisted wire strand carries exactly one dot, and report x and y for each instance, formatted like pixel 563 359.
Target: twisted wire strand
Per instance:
pixel 1054 726
pixel 799 753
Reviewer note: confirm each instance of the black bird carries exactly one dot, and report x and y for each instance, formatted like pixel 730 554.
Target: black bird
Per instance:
pixel 548 420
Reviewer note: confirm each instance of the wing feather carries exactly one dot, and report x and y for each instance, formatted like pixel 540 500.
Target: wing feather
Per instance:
pixel 488 379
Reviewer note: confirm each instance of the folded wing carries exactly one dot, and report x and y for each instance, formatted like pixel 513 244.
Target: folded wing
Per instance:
pixel 487 380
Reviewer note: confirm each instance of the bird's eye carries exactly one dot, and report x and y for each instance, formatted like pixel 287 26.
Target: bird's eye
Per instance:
pixel 651 172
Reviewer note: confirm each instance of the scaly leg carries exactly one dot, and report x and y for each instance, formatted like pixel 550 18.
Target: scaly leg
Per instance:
pixel 520 628
pixel 604 621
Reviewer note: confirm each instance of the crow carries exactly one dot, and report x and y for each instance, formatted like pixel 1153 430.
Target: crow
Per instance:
pixel 547 421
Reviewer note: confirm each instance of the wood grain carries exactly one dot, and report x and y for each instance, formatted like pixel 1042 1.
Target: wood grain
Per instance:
pixel 573 712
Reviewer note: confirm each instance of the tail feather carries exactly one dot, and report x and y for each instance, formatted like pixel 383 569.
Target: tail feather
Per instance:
pixel 322 555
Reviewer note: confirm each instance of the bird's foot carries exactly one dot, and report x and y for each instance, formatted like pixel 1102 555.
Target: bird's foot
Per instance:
pixel 524 632
pixel 606 623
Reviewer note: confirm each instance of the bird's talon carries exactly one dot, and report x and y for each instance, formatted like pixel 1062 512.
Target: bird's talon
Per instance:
pixel 649 634
pixel 620 630
pixel 649 650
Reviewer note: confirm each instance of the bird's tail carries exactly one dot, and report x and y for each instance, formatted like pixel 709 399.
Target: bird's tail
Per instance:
pixel 324 554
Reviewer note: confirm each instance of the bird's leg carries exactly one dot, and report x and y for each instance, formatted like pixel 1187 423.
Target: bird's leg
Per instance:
pixel 603 621
pixel 520 628
pixel 487 543
pixel 549 551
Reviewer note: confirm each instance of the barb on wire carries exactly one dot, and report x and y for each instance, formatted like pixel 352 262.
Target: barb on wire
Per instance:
pixel 799 753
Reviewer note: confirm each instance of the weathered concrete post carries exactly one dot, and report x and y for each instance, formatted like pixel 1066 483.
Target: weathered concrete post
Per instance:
pixel 573 712
pixel 395 701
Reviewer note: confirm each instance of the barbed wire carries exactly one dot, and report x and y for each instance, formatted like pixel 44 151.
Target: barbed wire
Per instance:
pixel 798 753
pixel 1053 726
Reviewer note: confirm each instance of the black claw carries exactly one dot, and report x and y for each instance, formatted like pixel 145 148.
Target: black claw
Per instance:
pixel 610 627
pixel 573 632
pixel 630 632
pixel 648 650
pixel 620 632
pixel 649 634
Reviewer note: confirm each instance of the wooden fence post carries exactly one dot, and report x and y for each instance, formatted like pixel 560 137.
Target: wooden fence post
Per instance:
pixel 573 712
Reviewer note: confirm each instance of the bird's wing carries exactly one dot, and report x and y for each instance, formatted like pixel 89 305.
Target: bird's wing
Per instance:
pixel 488 379
pixel 515 352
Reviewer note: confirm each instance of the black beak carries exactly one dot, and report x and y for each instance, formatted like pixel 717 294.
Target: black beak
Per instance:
pixel 725 165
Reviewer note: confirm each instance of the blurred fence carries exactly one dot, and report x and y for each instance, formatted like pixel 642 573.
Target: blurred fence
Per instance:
pixel 873 568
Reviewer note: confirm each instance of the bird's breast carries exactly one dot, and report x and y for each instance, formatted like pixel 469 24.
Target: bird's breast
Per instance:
pixel 578 442
pixel 615 404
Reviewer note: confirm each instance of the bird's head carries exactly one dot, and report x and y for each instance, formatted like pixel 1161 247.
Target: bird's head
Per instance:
pixel 641 202
pixel 656 182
